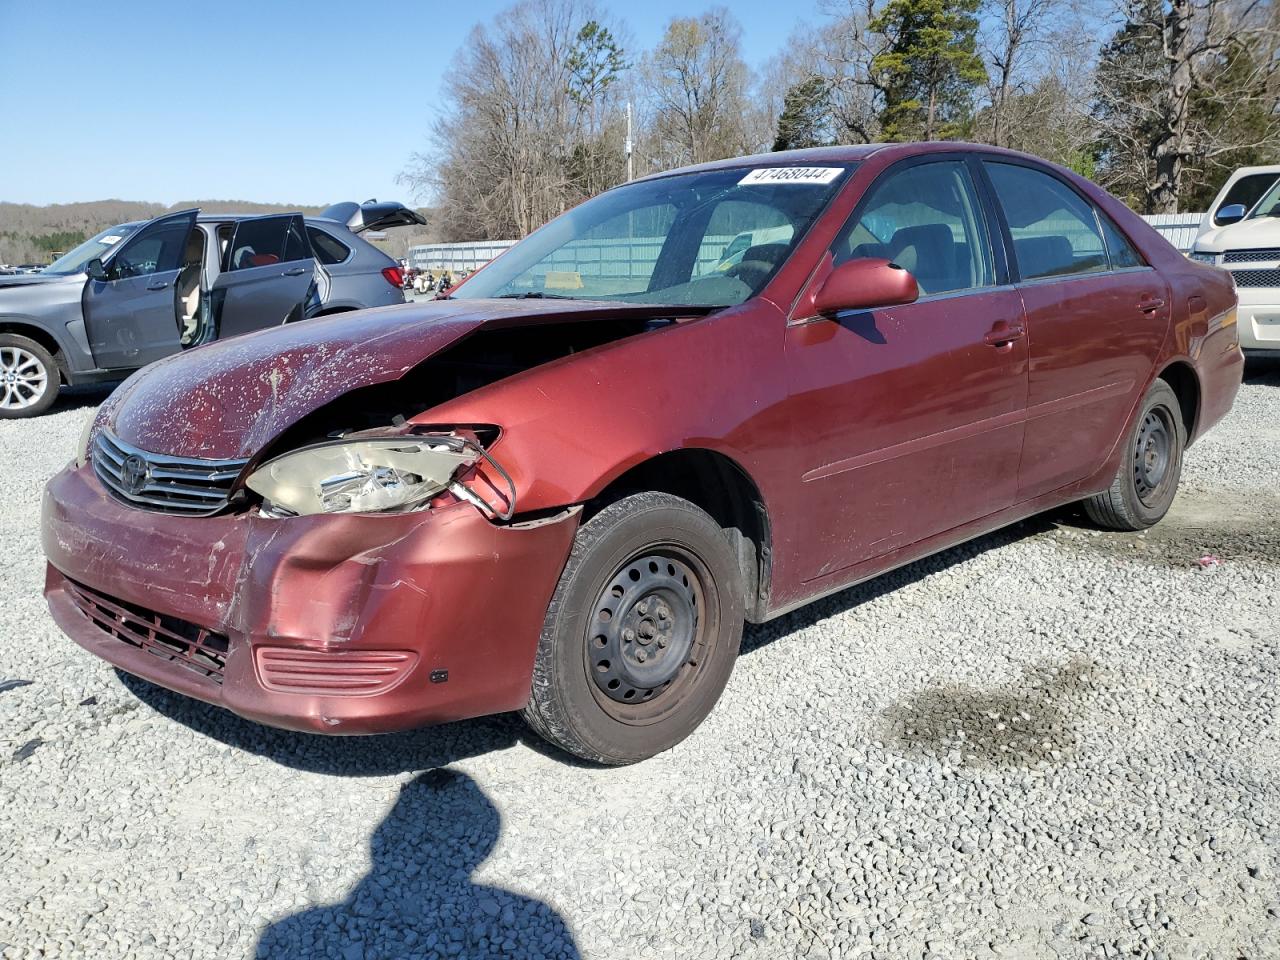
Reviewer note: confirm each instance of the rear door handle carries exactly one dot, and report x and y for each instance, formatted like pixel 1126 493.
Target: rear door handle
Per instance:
pixel 1150 304
pixel 295 272
pixel 1003 334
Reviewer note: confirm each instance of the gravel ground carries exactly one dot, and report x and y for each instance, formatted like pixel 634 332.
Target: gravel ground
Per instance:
pixel 1052 742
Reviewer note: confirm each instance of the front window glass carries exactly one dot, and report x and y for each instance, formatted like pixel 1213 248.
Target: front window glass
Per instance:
pixel 157 248
pixel 1055 233
pixel 925 219
pixel 1268 206
pixel 707 239
pixel 97 247
pixel 1247 191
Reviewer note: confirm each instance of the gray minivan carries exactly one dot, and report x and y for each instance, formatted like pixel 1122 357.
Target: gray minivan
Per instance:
pixel 141 291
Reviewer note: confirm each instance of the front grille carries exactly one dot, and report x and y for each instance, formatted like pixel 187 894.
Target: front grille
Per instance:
pixel 156 481
pixel 1256 278
pixel 169 638
pixel 1251 256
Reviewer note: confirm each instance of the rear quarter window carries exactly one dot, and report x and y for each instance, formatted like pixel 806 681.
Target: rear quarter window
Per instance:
pixel 328 249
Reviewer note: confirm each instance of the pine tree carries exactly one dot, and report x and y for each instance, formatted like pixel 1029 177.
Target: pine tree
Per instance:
pixel 805 120
pixel 930 69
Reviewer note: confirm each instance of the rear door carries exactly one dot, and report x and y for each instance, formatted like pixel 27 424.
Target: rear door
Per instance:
pixel 1096 315
pixel 131 316
pixel 268 275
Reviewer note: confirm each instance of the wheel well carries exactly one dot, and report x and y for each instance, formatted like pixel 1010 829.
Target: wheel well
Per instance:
pixel 40 336
pixel 329 313
pixel 1182 378
pixel 719 486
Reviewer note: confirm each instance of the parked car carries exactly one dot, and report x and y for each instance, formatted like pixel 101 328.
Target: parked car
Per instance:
pixel 515 498
pixel 141 291
pixel 1245 240
pixel 1243 188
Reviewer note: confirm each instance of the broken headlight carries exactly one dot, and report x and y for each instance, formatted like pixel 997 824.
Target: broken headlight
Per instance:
pixel 383 475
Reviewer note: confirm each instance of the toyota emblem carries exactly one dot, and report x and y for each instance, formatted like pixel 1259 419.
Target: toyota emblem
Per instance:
pixel 134 473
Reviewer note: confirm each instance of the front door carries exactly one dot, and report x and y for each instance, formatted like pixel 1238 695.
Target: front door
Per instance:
pixel 268 275
pixel 131 315
pixel 1095 312
pixel 907 420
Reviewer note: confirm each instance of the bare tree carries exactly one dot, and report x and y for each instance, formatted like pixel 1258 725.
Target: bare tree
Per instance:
pixel 1182 83
pixel 1014 35
pixel 697 87
pixel 530 97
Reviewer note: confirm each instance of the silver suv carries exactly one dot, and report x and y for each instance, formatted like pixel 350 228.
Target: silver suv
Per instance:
pixel 141 291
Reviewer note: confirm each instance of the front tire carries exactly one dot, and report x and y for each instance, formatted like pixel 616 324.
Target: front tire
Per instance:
pixel 1147 481
pixel 29 380
pixel 641 633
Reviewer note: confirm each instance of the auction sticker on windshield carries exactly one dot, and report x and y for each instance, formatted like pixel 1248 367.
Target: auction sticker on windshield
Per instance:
pixel 791 175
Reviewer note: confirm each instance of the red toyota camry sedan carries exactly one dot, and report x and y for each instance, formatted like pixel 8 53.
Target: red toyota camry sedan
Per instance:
pixel 704 397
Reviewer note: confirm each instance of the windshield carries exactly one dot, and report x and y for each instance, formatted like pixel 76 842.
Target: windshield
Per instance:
pixel 1269 205
pixel 709 239
pixel 99 246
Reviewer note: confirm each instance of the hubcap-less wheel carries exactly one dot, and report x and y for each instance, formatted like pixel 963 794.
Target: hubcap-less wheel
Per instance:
pixel 23 378
pixel 1152 455
pixel 644 642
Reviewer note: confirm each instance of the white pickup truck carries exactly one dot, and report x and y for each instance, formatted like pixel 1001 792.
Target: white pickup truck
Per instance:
pixel 1241 233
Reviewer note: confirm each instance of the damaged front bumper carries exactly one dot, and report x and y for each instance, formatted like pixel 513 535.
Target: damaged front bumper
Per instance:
pixel 330 624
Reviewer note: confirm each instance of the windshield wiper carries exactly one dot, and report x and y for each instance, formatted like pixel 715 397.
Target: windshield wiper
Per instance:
pixel 533 295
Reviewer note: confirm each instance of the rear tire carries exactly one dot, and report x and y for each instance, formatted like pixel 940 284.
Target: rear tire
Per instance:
pixel 1147 481
pixel 641 633
pixel 29 380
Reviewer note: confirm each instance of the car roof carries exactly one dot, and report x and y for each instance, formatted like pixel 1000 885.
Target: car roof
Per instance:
pixel 849 153
pixel 811 155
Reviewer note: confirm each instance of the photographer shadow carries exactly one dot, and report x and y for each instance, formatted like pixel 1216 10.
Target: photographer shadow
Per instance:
pixel 418 899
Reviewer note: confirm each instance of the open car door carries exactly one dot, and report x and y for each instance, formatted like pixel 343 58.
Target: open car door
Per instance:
pixel 268 275
pixel 131 311
pixel 372 215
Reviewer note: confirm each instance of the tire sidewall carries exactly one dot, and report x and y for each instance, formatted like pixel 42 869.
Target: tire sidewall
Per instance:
pixel 1160 395
pixel 669 522
pixel 52 377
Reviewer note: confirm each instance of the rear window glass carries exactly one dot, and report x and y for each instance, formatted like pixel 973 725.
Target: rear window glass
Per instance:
pixel 1055 233
pixel 1118 246
pixel 266 241
pixel 328 249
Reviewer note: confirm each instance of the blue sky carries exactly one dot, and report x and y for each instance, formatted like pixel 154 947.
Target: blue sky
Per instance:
pixel 307 102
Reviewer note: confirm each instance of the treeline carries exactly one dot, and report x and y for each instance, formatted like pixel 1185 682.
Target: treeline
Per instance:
pixel 1156 99
pixel 31 233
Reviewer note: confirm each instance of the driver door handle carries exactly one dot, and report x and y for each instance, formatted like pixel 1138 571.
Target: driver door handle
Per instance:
pixel 1150 304
pixel 295 272
pixel 1003 334
pixel 158 285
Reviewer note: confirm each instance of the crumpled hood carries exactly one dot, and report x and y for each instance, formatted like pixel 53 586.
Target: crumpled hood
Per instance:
pixel 1247 234
pixel 230 398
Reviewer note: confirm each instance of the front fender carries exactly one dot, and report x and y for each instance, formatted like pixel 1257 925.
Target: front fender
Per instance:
pixel 571 427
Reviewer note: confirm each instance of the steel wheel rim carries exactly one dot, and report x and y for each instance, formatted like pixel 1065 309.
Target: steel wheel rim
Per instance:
pixel 1153 455
pixel 646 635
pixel 23 378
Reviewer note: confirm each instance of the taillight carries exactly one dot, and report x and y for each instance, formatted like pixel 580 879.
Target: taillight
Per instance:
pixel 394 276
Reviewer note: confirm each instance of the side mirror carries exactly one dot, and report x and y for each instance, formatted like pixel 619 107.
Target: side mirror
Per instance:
pixel 865 284
pixel 95 269
pixel 1231 213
